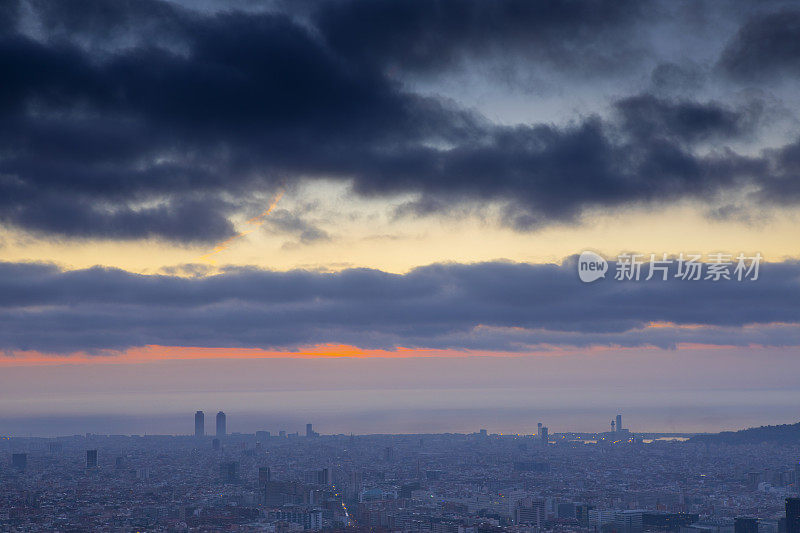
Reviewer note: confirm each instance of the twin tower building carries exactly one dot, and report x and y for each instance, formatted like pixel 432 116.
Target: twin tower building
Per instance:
pixel 200 424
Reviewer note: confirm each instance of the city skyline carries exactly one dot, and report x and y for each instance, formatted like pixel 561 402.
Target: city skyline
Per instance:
pixel 254 424
pixel 431 394
pixel 400 266
pixel 478 482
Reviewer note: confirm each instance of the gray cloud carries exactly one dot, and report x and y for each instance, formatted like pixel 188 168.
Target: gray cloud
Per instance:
pixel 437 306
pixel 767 45
pixel 420 35
pixel 294 224
pixel 140 120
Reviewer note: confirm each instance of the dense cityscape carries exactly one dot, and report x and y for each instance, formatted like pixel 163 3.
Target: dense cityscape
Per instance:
pixel 618 481
pixel 399 266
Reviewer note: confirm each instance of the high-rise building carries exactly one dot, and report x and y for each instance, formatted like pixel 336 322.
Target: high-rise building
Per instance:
pixel 229 471
pixel 19 460
pixel 745 524
pixel 221 423
pixel 264 475
pixel 91 458
pixel 199 424
pixel 309 431
pixel 664 521
pixel 582 513
pixel 530 511
pixel 619 423
pixel 565 510
pixel 629 521
pixel 792 515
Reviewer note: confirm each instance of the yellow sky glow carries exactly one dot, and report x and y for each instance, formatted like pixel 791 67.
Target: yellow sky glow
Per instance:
pixel 367 233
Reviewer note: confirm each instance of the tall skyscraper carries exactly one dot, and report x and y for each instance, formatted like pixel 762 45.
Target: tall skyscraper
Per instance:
pixel 792 515
pixel 19 460
pixel 745 524
pixel 619 423
pixel 309 431
pixel 91 458
pixel 530 511
pixel 221 429
pixel 199 424
pixel 229 471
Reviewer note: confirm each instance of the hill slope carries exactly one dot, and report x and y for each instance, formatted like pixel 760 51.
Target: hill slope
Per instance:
pixel 783 434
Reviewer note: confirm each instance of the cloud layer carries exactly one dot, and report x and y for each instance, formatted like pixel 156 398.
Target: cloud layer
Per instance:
pixel 149 119
pixel 487 306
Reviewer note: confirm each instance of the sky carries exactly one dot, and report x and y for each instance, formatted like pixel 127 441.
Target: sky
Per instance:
pixel 368 214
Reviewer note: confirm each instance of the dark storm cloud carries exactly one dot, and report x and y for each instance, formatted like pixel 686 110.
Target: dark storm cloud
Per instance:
pixel 293 224
pixel 768 45
pixel 783 185
pixel 672 78
pixel 424 35
pixel 9 15
pixel 647 117
pixel 479 306
pixel 546 174
pixel 147 119
pixel 256 98
pixel 96 22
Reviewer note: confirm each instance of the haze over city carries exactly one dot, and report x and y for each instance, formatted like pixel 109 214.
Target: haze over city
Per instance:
pixel 453 266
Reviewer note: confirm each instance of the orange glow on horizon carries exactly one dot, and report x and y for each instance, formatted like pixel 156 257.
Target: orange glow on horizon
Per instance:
pixel 155 353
